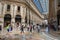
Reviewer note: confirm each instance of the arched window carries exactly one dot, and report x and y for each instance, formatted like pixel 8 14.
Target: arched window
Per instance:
pixel 18 8
pixel 8 7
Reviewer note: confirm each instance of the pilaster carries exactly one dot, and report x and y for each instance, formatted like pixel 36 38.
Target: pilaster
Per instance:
pixel 22 15
pixel 4 9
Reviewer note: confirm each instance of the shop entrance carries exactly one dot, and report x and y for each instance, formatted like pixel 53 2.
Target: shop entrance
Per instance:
pixel 18 19
pixel 7 19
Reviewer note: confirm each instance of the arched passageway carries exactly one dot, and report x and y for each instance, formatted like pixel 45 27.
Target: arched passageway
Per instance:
pixel 18 19
pixel 7 19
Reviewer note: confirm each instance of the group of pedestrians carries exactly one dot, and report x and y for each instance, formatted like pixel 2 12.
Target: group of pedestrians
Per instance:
pixel 29 28
pixel 33 28
pixel 22 28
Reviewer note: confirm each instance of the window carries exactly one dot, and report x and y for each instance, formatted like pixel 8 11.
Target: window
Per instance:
pixel 8 7
pixel 18 8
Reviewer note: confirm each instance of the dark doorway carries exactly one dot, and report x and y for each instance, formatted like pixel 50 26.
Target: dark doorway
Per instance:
pixel 58 17
pixel 7 19
pixel 25 19
pixel 18 18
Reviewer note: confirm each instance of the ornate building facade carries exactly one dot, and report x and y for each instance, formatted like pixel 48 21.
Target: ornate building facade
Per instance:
pixel 19 11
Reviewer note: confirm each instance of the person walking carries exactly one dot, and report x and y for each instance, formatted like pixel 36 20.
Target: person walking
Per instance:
pixel 47 29
pixel 22 29
pixel 7 27
pixel 17 26
pixel 10 27
pixel 30 28
pixel 33 27
pixel 38 28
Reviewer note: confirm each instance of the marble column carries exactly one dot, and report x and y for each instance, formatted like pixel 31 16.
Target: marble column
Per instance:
pixel 28 16
pixel 4 9
pixel 12 17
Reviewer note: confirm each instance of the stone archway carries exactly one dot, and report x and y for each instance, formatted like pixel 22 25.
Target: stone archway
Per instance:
pixel 7 19
pixel 58 17
pixel 18 19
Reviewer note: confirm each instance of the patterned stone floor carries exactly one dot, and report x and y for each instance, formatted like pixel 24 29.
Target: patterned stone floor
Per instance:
pixel 16 35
